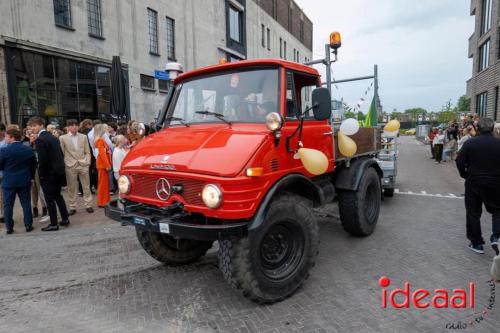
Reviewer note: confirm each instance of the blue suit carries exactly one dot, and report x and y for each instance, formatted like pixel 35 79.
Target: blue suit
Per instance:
pixel 18 164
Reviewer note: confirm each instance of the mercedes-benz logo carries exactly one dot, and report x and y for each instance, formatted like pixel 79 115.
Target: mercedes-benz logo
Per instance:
pixel 163 189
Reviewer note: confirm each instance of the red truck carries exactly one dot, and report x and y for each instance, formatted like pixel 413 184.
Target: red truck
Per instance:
pixel 223 167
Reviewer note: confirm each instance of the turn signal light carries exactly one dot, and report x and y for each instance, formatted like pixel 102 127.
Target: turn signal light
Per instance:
pixel 255 172
pixel 222 61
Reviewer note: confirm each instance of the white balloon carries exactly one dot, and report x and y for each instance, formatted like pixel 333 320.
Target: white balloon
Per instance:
pixel 349 126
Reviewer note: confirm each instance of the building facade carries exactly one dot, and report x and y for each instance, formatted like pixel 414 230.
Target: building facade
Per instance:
pixel 55 55
pixel 484 48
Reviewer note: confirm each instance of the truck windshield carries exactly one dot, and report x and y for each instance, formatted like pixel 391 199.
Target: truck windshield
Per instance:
pixel 239 96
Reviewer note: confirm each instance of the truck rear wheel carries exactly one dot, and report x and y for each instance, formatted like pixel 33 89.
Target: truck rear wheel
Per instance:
pixel 273 261
pixel 169 250
pixel 359 209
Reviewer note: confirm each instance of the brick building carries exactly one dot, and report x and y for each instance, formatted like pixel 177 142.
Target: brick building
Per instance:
pixel 484 48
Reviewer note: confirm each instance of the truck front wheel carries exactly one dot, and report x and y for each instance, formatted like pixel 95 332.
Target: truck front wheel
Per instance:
pixel 359 209
pixel 274 260
pixel 169 250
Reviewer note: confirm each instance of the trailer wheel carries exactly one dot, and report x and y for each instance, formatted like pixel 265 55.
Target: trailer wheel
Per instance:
pixel 272 262
pixel 389 192
pixel 170 251
pixel 359 209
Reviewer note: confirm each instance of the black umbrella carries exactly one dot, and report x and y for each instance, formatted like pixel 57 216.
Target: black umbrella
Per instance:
pixel 118 95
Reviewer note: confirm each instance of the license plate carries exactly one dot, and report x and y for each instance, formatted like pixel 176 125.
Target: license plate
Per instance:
pixel 120 205
pixel 139 221
pixel 164 228
pixel 386 164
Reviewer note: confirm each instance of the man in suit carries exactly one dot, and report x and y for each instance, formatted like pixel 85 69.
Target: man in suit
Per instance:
pixel 18 164
pixel 77 159
pixel 478 162
pixel 51 170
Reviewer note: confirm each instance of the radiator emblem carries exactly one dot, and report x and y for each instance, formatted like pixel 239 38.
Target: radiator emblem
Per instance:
pixel 163 189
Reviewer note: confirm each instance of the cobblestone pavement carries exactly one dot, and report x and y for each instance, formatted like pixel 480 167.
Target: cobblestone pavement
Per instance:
pixel 94 277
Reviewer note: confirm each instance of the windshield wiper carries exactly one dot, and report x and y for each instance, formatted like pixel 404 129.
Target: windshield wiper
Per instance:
pixel 182 121
pixel 215 114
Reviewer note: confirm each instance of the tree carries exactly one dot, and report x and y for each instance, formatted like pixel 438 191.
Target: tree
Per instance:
pixel 463 104
pixel 415 112
pixel 361 116
pixel 350 114
pixel 395 115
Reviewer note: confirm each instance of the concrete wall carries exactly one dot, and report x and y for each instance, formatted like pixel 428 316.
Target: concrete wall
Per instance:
pixel 200 36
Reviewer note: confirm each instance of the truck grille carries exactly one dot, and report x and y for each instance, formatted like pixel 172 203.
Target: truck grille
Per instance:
pixel 145 186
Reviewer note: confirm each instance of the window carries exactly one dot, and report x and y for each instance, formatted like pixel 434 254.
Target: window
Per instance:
pixel 62 12
pixel 94 17
pixel 484 56
pixel 250 97
pixel 235 24
pixel 290 14
pixel 164 85
pixel 263 35
pixel 170 38
pixel 294 55
pixel 281 48
pixel 482 104
pixel 298 56
pixel 497 96
pixel 69 88
pixel 147 82
pixel 268 39
pixel 153 32
pixel 274 8
pixel 486 15
pixel 284 49
pixel 301 30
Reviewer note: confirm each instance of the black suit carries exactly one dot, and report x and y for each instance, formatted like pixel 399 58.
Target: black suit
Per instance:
pixel 51 170
pixel 478 162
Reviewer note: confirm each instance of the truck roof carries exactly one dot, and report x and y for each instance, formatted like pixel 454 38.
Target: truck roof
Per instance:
pixel 245 64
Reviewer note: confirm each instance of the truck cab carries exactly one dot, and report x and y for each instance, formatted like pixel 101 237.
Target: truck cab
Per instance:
pixel 224 167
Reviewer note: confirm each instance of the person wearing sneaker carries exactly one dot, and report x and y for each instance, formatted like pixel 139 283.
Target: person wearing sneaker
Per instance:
pixel 76 152
pixel 478 163
pixel 18 164
pixel 51 169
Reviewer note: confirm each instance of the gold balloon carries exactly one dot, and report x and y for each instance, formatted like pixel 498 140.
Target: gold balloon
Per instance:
pixel 347 146
pixel 392 126
pixel 313 160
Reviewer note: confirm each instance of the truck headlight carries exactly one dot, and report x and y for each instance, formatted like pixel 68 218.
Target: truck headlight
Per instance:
pixel 124 184
pixel 212 196
pixel 274 121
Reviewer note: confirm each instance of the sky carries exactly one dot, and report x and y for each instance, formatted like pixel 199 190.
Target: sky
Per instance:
pixel 420 47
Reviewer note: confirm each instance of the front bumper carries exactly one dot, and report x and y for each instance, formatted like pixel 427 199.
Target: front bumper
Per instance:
pixel 144 217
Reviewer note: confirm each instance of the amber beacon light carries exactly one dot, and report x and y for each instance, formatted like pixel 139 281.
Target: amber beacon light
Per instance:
pixel 335 40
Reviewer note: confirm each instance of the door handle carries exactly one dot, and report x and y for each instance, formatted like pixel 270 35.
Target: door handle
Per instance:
pixel 328 133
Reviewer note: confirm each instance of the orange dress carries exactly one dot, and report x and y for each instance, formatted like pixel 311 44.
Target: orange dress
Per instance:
pixel 103 163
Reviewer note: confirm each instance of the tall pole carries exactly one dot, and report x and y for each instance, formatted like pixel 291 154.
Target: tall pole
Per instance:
pixel 328 68
pixel 375 89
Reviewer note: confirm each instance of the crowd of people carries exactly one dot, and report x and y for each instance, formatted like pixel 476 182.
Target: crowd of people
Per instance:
pixel 38 162
pixel 445 143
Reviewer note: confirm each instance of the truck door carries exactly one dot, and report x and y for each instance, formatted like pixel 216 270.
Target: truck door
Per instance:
pixel 315 134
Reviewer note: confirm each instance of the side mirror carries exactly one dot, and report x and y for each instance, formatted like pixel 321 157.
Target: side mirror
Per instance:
pixel 322 102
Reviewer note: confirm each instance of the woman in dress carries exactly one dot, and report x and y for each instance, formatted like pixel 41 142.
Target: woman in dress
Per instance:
pixel 103 164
